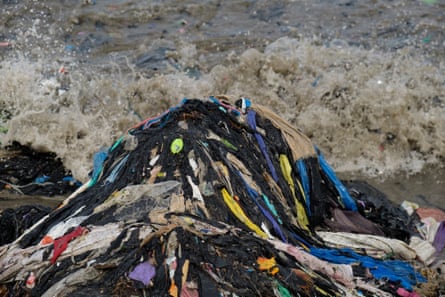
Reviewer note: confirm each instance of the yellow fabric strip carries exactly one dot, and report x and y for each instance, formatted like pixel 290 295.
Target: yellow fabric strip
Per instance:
pixel 286 169
pixel 239 213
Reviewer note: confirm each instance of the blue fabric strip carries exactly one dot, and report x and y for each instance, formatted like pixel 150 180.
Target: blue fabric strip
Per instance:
pixel 252 123
pixel 394 270
pixel 98 162
pixel 342 191
pixel 272 208
pixel 112 176
pixel 305 182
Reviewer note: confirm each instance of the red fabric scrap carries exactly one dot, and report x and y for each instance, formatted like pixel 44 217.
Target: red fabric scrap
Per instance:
pixel 61 243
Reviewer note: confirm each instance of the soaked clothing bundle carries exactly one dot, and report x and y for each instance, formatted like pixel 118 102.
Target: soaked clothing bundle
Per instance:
pixel 213 199
pixel 28 172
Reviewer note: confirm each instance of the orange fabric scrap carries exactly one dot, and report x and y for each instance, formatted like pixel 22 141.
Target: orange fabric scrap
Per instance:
pixel 268 264
pixel 46 240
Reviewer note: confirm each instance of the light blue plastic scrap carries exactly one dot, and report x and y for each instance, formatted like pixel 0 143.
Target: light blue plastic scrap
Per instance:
pixel 98 162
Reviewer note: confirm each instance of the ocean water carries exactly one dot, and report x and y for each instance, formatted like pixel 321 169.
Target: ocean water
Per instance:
pixel 365 80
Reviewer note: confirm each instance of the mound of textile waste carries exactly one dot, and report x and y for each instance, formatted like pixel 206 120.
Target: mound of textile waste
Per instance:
pixel 214 199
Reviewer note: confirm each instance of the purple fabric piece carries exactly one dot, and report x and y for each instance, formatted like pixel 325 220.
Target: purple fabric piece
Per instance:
pixel 439 239
pixel 252 123
pixel 143 272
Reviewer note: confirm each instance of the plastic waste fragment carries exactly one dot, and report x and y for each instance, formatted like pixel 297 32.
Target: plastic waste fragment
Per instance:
pixel 143 272
pixel 176 145
pixel 41 179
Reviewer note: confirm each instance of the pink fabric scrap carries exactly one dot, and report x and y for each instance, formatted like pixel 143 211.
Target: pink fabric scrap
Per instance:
pixel 189 292
pixel 405 293
pixel 434 213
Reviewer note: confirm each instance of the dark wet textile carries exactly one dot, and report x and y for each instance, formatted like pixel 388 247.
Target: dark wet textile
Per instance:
pixel 14 221
pixel 350 221
pixel 29 172
pixel 376 207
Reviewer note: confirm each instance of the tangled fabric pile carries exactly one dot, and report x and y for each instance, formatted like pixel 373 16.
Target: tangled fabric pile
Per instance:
pixel 214 199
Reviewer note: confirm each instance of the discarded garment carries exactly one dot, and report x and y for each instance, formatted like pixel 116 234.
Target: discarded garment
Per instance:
pixel 394 270
pixel 377 246
pixel 352 222
pixel 339 272
pixel 425 251
pixel 428 228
